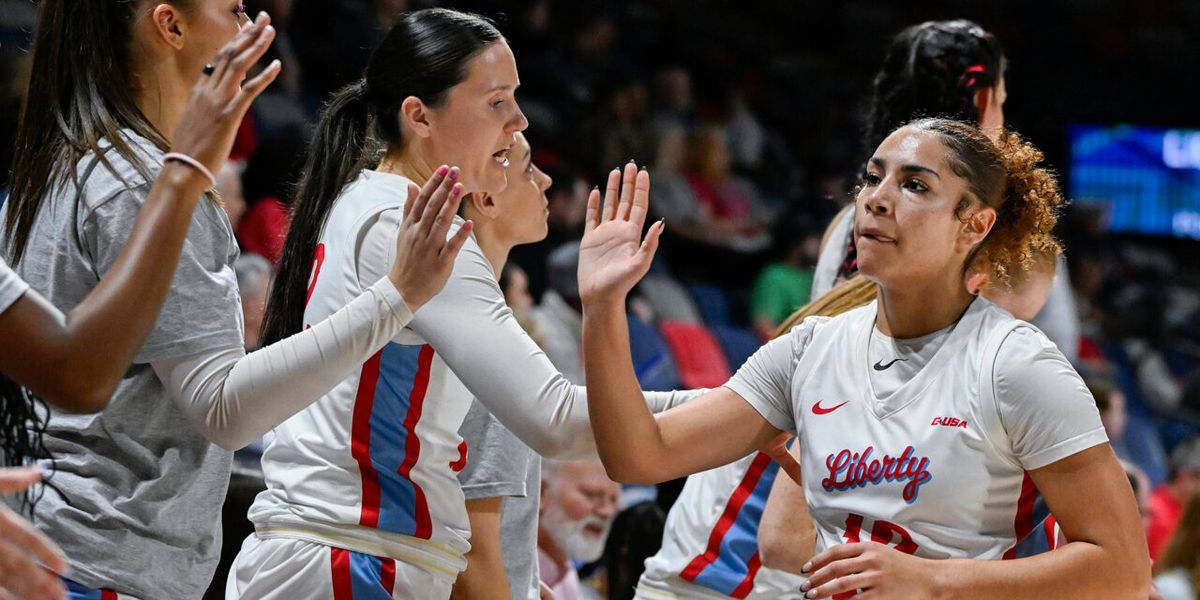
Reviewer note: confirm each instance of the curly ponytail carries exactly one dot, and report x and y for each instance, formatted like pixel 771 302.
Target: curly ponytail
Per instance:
pixel 1027 213
pixel 1007 176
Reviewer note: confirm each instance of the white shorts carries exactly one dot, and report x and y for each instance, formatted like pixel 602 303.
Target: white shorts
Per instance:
pixel 291 569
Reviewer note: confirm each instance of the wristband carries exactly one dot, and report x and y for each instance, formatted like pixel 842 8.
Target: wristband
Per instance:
pixel 187 160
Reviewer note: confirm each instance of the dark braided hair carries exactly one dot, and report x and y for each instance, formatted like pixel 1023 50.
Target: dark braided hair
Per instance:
pixel 932 70
pixel 22 426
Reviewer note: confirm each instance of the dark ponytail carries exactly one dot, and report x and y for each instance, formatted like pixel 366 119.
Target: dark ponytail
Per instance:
pixel 423 56
pixel 337 151
pixel 932 70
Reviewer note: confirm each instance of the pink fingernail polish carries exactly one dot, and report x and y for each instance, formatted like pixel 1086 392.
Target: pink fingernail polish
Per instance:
pixel 442 171
pixel 454 173
pixel 454 191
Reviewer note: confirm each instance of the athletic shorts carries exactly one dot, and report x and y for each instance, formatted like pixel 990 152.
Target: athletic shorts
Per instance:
pixel 76 591
pixel 291 569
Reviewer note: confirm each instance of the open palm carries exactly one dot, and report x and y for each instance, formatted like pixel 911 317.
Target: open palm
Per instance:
pixel 612 255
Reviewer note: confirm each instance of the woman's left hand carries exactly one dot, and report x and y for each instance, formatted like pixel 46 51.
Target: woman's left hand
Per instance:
pixel 880 571
pixel 612 255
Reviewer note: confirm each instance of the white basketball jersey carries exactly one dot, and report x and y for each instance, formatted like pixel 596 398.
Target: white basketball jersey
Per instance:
pixel 369 467
pixel 932 469
pixel 710 543
pixel 928 470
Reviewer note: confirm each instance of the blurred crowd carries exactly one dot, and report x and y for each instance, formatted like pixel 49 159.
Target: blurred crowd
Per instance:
pixel 748 118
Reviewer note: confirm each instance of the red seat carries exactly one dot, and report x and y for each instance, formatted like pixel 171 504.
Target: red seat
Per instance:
pixel 697 354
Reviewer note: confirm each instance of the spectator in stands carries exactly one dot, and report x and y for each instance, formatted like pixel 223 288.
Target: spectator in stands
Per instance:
pixel 786 284
pixel 579 503
pixel 636 535
pixel 229 187
pixel 1178 573
pixel 267 183
pixel 559 317
pixel 1111 403
pixel 254 281
pixel 1166 504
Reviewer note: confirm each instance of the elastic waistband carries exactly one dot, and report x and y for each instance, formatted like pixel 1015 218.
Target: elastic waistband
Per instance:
pixel 424 554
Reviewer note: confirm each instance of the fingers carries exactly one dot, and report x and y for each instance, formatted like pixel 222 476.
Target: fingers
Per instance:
pixel 246 58
pixel 611 189
pixel 25 578
pixel 445 214
pixel 15 480
pixel 641 199
pixel 838 552
pixel 21 533
pixel 429 195
pixel 409 201
pixel 847 583
pixel 254 87
pixel 628 181
pixel 592 217
pixel 456 243
pixel 244 39
pixel 650 244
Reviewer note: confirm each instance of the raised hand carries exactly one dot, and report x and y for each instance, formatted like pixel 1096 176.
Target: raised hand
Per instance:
pixel 613 256
pixel 219 100
pixel 22 547
pixel 424 255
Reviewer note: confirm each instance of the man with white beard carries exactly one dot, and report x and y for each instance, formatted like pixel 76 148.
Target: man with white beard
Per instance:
pixel 579 503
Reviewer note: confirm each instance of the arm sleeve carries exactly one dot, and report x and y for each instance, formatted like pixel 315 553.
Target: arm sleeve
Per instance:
pixel 202 309
pixel 1044 406
pixel 12 287
pixel 765 381
pixel 477 336
pixel 233 397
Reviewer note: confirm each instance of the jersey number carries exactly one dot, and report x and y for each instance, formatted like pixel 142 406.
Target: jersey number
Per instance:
pixel 883 532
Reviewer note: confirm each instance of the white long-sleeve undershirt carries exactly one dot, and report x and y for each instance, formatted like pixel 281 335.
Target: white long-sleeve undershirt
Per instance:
pixel 475 333
pixel 233 397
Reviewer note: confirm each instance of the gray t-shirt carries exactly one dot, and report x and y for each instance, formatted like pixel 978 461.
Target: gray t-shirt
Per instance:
pixel 11 286
pixel 500 465
pixel 142 488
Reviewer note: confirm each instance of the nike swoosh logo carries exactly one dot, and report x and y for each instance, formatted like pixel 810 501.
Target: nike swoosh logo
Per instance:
pixel 817 410
pixel 879 366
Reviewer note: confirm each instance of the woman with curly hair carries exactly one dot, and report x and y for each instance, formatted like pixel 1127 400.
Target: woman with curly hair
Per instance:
pixel 953 69
pixel 924 419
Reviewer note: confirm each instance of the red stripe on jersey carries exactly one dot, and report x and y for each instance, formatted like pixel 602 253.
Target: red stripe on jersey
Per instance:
pixel 460 464
pixel 318 260
pixel 339 562
pixel 732 508
pixel 412 442
pixel 387 575
pixel 108 595
pixel 1049 527
pixel 747 585
pixel 360 440
pixel 1023 523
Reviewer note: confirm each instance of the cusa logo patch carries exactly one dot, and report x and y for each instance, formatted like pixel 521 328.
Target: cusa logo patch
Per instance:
pixel 948 422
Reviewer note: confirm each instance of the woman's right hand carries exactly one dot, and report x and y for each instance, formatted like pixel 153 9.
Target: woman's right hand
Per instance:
pixel 214 111
pixel 424 256
pixel 612 254
pixel 22 547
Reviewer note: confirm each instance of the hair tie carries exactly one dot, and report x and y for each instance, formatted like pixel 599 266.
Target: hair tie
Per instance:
pixel 193 163
pixel 971 76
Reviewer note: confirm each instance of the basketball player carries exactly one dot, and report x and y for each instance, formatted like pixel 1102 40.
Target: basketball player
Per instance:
pixel 110 82
pixel 713 545
pixel 362 494
pixel 924 459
